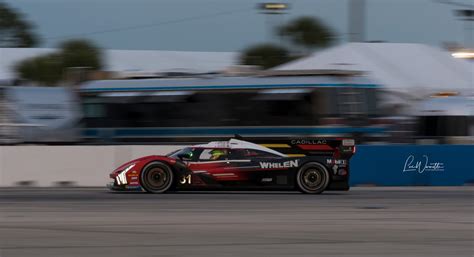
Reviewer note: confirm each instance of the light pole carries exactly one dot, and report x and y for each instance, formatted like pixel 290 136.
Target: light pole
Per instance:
pixel 272 10
pixel 357 21
pixel 467 15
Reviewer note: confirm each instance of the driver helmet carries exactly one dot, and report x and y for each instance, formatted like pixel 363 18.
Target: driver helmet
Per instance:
pixel 217 153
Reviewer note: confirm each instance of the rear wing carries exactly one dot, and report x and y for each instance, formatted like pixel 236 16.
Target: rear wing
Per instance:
pixel 339 148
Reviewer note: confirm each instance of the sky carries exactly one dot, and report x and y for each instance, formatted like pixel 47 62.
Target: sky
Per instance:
pixel 228 25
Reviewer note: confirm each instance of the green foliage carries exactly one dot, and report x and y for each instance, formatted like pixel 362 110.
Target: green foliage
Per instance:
pixel 15 31
pixel 265 55
pixel 46 70
pixel 307 32
pixel 81 53
pixel 50 69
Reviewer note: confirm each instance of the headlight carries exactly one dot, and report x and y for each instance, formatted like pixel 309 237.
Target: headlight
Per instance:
pixel 122 176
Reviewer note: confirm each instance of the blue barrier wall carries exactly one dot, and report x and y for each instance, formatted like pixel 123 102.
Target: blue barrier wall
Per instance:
pixel 411 165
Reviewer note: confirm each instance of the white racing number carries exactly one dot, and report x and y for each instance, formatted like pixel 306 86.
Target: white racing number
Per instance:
pixel 185 179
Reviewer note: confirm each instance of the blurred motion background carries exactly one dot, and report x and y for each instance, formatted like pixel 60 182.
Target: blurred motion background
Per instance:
pixel 383 72
pixel 88 85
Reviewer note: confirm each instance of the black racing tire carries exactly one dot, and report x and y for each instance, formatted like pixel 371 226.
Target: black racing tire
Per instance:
pixel 312 178
pixel 156 177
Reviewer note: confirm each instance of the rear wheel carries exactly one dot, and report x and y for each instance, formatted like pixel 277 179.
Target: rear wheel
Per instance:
pixel 156 177
pixel 312 178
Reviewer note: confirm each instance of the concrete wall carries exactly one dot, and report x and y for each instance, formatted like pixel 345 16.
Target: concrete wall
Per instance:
pixel 83 165
pixel 377 165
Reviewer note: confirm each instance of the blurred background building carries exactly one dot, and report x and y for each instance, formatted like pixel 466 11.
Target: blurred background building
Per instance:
pixel 305 81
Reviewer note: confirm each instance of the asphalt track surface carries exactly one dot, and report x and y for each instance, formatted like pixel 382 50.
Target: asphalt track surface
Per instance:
pixel 361 222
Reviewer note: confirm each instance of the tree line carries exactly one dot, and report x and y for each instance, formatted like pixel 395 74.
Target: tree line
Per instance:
pixel 301 36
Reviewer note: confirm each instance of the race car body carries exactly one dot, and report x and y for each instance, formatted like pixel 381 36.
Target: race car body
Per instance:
pixel 309 165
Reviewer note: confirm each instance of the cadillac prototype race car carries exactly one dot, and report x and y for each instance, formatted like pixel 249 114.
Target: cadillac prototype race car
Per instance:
pixel 309 165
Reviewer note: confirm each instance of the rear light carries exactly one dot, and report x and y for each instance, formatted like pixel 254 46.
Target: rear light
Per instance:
pixel 353 149
pixel 348 142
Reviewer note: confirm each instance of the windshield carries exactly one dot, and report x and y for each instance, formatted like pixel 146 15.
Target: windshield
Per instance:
pixel 188 152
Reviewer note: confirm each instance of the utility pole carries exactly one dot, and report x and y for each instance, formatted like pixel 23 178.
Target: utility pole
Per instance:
pixel 272 10
pixel 357 21
pixel 467 15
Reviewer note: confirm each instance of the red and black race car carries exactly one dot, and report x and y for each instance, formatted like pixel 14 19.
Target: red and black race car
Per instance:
pixel 309 165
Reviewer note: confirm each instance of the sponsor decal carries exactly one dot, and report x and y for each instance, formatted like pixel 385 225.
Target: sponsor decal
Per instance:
pixel 277 165
pixel 336 162
pixel 308 142
pixel 421 164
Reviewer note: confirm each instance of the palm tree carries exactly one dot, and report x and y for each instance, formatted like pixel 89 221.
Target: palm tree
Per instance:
pixel 15 31
pixel 307 32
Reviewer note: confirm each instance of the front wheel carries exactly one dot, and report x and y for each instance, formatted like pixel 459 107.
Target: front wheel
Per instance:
pixel 312 178
pixel 156 177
